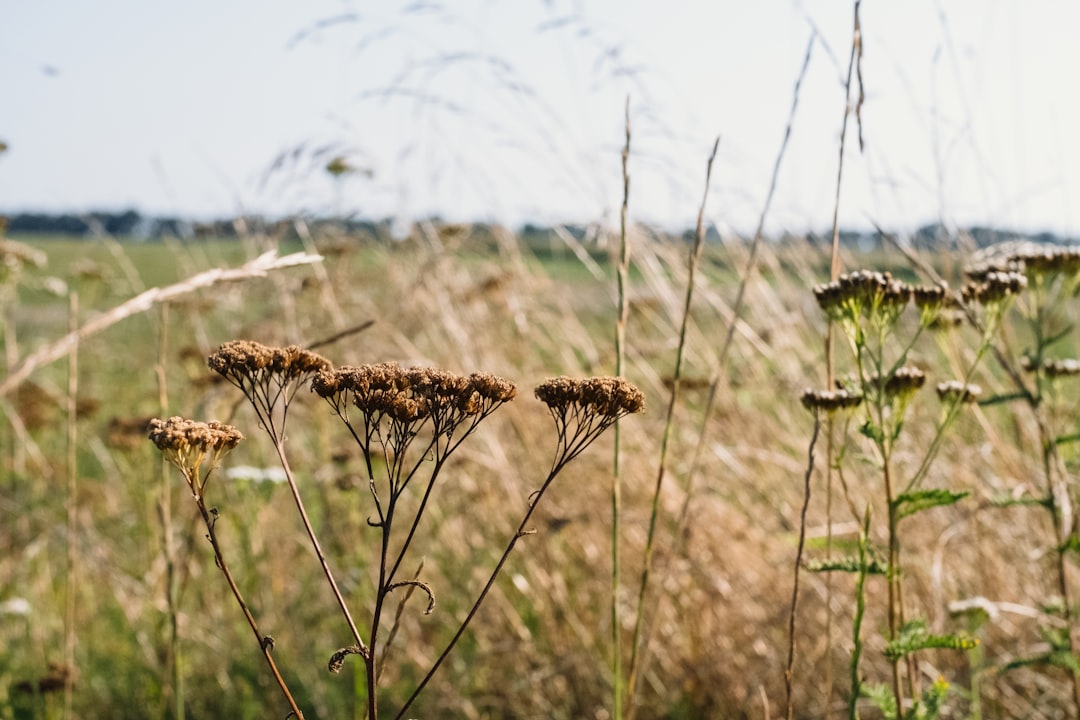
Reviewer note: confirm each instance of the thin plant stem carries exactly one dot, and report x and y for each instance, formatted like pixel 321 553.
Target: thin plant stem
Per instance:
pixel 266 643
pixel 175 666
pixel 789 672
pixel 72 507
pixel 616 480
pixel 279 447
pixel 518 534
pixel 669 422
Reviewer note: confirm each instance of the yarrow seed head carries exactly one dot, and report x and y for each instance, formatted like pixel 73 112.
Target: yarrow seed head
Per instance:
pixel 954 391
pixel 187 443
pixel 609 397
pixel 830 400
pixel 246 360
pixel 1053 368
pixel 995 288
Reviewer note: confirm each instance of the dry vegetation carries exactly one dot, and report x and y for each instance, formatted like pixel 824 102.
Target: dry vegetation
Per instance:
pixel 717 609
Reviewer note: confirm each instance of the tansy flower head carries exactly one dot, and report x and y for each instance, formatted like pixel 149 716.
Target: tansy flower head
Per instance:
pixel 187 444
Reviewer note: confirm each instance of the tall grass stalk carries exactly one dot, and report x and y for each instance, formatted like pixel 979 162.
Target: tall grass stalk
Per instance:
pixel 174 661
pixel 72 507
pixel 669 422
pixel 622 272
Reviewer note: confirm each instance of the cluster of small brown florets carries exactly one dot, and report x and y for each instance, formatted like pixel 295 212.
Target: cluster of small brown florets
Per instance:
pixel 246 361
pixel 187 443
pixel 1053 368
pixel 878 294
pixel 994 287
pixel 609 397
pixel 905 381
pixel 830 400
pixel 1032 259
pixel 406 395
pixel 959 392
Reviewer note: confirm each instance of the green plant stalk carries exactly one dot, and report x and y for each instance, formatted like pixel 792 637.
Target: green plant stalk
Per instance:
pixel 1056 481
pixel 669 421
pixel 857 620
pixel 616 480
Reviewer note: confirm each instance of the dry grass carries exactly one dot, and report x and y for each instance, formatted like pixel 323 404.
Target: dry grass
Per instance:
pixel 540 647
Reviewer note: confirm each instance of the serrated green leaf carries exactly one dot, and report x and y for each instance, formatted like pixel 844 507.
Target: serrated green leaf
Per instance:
pixel 910 503
pixel 914 636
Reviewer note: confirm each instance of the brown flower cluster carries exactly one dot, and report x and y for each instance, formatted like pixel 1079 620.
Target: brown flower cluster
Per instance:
pixel 994 287
pixel 242 361
pixel 1065 367
pixel 830 400
pixel 1032 259
pixel 956 391
pixel 878 296
pixel 583 409
pixel 188 443
pixel 407 395
pixel 905 382
pixel 609 397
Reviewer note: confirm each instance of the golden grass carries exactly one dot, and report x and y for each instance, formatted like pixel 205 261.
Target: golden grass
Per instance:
pixel 540 646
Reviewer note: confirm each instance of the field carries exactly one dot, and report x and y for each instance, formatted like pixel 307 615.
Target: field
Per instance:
pixel 109 586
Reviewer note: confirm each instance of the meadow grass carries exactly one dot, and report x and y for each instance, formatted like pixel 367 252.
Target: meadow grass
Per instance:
pixel 541 644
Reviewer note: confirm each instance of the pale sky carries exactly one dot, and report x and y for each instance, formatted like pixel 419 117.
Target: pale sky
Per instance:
pixel 513 111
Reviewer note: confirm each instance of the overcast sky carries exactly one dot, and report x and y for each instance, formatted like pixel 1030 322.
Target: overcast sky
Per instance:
pixel 513 111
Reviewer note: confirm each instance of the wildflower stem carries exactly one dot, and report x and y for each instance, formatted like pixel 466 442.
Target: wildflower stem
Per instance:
pixel 518 534
pixel 279 446
pixel 265 642
pixel 789 672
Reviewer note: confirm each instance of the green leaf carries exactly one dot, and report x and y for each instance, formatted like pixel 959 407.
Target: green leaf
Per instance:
pixel 849 564
pixel 1058 658
pixel 910 503
pixel 883 699
pixel 932 703
pixel 1004 398
pixel 914 636
pixel 1066 439
pixel 872 431
pixel 1004 501
pixel 1071 544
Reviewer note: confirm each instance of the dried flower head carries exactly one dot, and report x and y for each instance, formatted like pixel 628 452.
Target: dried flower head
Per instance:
pixel 268 376
pixel 955 391
pixel 187 444
pixel 905 382
pixel 1065 367
pixel 406 398
pixel 869 294
pixel 246 361
pixel 583 409
pixel 994 288
pixel 830 400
